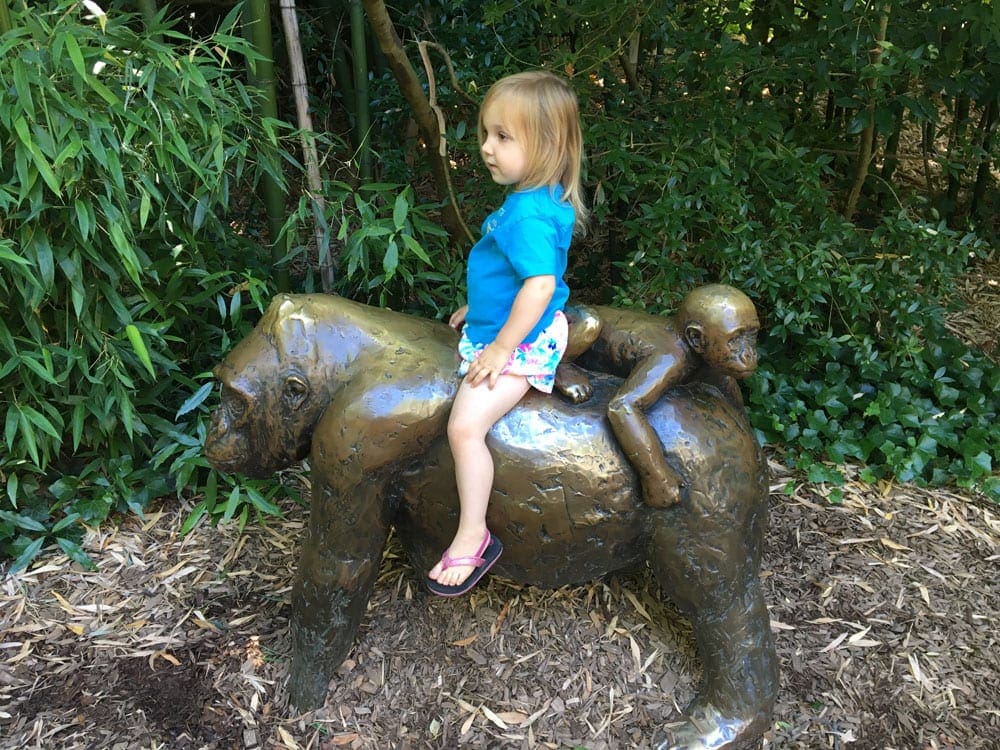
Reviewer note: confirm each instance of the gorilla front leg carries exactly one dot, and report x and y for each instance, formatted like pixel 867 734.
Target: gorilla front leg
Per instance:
pixel 336 573
pixel 356 447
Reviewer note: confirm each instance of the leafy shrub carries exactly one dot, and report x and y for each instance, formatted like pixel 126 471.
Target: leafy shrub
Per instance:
pixel 857 365
pixel 389 252
pixel 120 156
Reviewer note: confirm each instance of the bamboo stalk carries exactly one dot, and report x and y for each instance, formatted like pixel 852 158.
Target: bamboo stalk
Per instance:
pixel 263 76
pixel 865 148
pixel 5 23
pixel 342 77
pixel 314 182
pixel 148 9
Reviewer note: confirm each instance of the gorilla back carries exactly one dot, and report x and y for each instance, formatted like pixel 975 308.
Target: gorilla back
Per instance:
pixel 565 500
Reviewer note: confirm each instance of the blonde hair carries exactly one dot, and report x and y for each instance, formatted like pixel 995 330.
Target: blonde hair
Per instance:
pixel 544 112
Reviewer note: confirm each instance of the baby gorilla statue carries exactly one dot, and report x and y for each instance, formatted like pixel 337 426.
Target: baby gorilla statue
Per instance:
pixel 711 338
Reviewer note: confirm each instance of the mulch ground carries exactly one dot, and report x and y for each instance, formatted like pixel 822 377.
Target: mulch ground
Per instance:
pixel 883 608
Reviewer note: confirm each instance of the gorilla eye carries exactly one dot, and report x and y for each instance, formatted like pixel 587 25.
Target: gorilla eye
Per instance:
pixel 234 403
pixel 296 391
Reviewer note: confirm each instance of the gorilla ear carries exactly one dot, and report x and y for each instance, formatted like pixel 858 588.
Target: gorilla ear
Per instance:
pixel 695 337
pixel 295 391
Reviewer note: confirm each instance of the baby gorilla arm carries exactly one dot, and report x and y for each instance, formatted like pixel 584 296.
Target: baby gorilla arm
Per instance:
pixel 649 379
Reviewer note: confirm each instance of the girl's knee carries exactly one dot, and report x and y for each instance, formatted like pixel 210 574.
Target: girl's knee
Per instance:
pixel 463 427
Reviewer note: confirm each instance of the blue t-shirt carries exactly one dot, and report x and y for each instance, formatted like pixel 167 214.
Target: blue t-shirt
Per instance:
pixel 529 235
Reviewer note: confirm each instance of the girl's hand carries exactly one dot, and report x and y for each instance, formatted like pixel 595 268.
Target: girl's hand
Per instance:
pixel 458 317
pixel 488 365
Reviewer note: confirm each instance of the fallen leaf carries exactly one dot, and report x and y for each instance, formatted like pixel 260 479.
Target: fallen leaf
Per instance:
pixel 494 718
pixel 834 643
pixel 893 545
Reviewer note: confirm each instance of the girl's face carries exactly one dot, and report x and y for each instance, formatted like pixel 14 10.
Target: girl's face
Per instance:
pixel 503 148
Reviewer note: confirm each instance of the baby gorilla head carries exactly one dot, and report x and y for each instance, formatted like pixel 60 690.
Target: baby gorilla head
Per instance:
pixel 720 324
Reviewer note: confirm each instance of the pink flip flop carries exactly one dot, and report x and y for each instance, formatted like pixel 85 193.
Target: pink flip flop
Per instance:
pixel 487 554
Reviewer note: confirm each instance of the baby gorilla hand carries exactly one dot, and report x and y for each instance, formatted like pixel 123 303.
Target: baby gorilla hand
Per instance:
pixel 661 491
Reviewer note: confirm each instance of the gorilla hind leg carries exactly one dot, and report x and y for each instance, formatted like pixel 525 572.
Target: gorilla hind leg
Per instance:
pixel 708 561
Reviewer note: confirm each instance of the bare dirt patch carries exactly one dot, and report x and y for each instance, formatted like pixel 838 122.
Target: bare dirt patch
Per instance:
pixel 883 608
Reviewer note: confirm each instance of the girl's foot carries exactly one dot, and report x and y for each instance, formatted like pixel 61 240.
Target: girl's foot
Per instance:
pixel 458 574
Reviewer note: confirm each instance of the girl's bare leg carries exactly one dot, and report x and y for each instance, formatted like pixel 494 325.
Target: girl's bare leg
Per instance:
pixel 475 411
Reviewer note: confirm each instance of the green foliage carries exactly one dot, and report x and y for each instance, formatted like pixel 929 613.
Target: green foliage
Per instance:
pixel 857 365
pixel 389 252
pixel 120 158
pixel 722 157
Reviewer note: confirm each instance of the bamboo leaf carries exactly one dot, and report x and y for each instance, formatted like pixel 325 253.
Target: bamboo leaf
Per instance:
pixel 71 270
pixel 68 520
pixel 40 421
pixel 125 253
pixel 145 204
pixel 36 367
pixel 196 515
pixel 23 88
pixel 69 152
pixel 139 347
pixel 261 504
pixel 400 210
pixel 232 504
pixel 12 485
pixel 415 247
pixel 103 91
pixel 391 259
pixel 10 426
pixel 84 217
pixel 7 255
pixel 76 423
pixel 41 164
pixel 195 400
pixel 27 435
pixel 76 56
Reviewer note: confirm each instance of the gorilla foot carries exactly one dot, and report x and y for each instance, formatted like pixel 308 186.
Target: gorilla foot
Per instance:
pixel 573 383
pixel 706 728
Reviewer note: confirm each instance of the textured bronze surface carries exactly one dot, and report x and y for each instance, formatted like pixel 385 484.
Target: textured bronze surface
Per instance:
pixel 712 338
pixel 366 392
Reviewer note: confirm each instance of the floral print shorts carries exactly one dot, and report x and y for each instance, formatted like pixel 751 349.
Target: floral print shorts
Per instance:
pixel 536 360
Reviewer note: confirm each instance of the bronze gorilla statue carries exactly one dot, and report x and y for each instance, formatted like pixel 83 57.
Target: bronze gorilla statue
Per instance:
pixel 365 393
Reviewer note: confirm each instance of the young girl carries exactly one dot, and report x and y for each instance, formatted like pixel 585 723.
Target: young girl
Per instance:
pixel 515 331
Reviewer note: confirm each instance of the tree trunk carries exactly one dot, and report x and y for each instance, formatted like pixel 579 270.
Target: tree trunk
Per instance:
pixel 629 60
pixel 983 176
pixel 362 105
pixel 868 134
pixel 760 22
pixel 314 181
pixel 344 81
pixel 262 75
pixel 427 122
pixel 890 156
pixel 956 151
